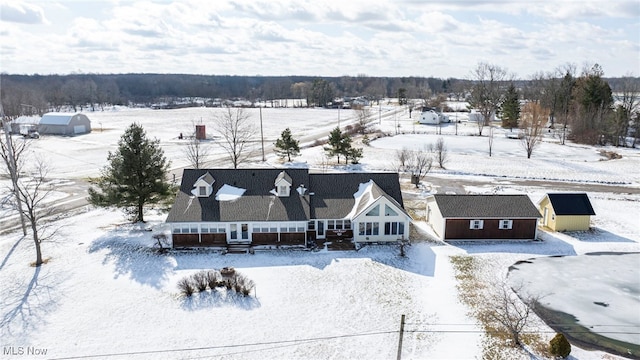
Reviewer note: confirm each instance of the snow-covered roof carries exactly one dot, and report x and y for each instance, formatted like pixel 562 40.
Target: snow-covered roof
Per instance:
pixel 229 193
pixel 367 194
pixel 26 120
pixel 57 118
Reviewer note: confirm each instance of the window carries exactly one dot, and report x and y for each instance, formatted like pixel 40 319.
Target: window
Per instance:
pixel 320 228
pixel 369 228
pixel 264 228
pixel 338 224
pixel 311 225
pixel 331 224
pixel 374 212
pixel 476 224
pixel 234 231
pixel 202 191
pixel 245 231
pixel 506 224
pixel 388 211
pixel 186 229
pixel 394 228
pixel 212 228
pixel 282 190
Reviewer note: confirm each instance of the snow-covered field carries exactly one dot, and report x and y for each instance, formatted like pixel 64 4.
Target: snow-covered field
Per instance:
pixel 105 293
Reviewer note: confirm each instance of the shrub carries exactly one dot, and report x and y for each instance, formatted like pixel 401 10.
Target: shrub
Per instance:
pixel 238 282
pixel 212 277
pixel 247 287
pixel 186 287
pixel 559 346
pixel 200 280
pixel 365 140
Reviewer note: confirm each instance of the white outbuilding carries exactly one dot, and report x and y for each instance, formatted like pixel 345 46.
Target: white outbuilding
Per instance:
pixel 64 124
pixel 429 117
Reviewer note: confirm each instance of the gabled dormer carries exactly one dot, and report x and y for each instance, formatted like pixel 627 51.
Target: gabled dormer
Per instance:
pixel 203 187
pixel 283 184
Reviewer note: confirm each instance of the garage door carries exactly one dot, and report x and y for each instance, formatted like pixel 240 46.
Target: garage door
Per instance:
pixel 79 129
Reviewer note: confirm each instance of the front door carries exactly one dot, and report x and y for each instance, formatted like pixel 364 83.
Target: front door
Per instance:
pixel 239 232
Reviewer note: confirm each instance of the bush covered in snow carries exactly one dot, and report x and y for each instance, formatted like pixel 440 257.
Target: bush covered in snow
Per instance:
pixel 211 279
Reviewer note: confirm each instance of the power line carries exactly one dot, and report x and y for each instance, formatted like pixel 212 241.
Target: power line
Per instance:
pixel 295 342
pixel 291 342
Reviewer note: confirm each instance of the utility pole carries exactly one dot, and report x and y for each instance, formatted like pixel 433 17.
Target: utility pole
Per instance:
pixel 261 134
pixel 13 171
pixel 399 357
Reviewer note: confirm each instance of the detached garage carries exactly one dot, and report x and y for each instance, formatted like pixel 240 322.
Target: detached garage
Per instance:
pixel 64 124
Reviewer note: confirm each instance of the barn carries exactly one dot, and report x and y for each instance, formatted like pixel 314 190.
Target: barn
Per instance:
pixel 64 124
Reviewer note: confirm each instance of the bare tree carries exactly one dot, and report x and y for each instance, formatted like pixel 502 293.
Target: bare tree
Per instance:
pixel 534 118
pixel 490 140
pixel 441 153
pixel 237 131
pixel 195 151
pixel 12 155
pixel 630 96
pixel 402 158
pixel 510 308
pixel 33 191
pixel 565 89
pixel 419 164
pixel 486 92
pixel 363 119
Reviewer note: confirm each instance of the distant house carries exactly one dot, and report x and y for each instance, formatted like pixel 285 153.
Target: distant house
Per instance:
pixel 482 217
pixel 432 117
pixel 262 208
pixel 64 124
pixel 566 211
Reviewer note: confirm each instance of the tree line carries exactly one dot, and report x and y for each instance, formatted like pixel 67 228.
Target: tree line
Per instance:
pixel 43 93
pixel 597 110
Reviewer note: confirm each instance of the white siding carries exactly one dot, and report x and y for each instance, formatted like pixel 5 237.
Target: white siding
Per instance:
pixel 434 217
pixel 380 220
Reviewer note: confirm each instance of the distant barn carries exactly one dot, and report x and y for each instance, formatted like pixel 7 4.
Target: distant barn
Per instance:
pixel 64 124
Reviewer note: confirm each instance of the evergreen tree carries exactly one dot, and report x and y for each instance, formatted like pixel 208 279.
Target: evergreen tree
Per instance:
pixel 355 154
pixel 134 176
pixel 511 108
pixel 339 144
pixel 287 146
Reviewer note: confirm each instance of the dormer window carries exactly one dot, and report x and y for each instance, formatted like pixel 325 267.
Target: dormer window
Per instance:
pixel 203 187
pixel 283 184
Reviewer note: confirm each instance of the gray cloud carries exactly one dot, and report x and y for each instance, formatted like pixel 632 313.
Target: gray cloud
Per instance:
pixel 19 12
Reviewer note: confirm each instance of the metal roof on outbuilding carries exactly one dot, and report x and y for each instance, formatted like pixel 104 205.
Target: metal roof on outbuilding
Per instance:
pixel 571 204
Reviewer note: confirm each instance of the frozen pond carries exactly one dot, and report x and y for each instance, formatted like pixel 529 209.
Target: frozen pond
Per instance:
pixel 598 292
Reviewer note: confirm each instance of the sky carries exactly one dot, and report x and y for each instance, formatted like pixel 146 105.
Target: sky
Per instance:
pixel 439 38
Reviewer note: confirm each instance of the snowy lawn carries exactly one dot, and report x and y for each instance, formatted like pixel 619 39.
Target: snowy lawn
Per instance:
pixel 105 291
